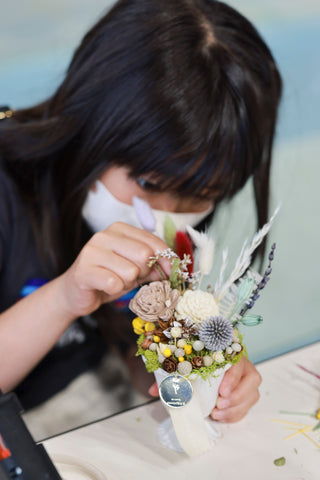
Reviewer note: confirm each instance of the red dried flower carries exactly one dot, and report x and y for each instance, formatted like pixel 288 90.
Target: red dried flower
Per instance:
pixel 183 246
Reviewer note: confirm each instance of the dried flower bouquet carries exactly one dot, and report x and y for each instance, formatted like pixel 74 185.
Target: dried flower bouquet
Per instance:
pixel 183 328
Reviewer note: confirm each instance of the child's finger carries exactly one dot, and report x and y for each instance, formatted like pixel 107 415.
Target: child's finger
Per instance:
pixel 246 379
pixel 232 378
pixel 232 414
pixel 153 390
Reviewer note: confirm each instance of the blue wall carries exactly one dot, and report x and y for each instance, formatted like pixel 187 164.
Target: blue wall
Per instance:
pixel 36 43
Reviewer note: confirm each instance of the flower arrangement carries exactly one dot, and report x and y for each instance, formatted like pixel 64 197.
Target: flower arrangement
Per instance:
pixel 186 329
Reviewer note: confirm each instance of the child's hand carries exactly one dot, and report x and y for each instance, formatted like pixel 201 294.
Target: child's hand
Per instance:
pixel 112 263
pixel 238 392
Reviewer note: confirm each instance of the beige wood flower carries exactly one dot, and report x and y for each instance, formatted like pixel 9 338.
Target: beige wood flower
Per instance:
pixel 155 301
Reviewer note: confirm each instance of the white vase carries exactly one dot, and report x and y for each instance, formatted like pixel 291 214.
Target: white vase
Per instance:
pixel 206 394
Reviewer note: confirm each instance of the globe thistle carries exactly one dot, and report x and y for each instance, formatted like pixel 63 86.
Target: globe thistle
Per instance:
pixel 216 333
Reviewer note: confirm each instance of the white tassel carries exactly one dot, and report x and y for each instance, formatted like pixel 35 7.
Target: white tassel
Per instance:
pixel 205 246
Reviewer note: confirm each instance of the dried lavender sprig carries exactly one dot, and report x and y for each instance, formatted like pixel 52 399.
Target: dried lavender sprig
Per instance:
pixel 263 282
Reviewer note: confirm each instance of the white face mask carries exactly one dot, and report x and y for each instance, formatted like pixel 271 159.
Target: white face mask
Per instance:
pixel 101 209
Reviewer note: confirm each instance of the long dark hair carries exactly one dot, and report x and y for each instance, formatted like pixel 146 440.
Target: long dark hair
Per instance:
pixel 186 89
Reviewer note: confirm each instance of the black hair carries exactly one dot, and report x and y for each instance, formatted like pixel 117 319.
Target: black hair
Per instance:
pixel 185 89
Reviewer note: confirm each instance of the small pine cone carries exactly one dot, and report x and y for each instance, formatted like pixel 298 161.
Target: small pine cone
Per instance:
pixel 146 343
pixel 197 362
pixel 161 335
pixel 170 365
pixel 163 325
pixel 149 334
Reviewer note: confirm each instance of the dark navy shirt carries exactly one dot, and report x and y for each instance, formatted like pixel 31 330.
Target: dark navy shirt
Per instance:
pixel 82 346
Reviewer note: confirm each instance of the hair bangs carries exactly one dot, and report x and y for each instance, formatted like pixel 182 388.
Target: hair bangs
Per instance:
pixel 211 173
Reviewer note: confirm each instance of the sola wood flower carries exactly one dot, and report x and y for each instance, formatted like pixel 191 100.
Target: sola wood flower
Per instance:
pixel 216 333
pixel 197 306
pixel 155 300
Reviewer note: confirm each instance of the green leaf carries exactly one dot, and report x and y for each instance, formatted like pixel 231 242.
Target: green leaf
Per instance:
pixel 244 292
pixel 245 289
pixel 279 462
pixel 250 320
pixel 317 426
pixel 169 231
pixel 174 280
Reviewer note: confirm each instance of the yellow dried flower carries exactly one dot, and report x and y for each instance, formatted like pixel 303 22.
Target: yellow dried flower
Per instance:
pixel 167 352
pixel 149 326
pixel 181 359
pixel 156 339
pixel 188 349
pixel 138 325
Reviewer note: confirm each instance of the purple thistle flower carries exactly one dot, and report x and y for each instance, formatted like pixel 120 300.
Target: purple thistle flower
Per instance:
pixel 216 333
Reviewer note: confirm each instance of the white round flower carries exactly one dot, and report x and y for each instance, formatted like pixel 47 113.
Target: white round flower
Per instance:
pixel 197 306
pixel 161 358
pixel 179 352
pixel 198 346
pixel 236 347
pixel 176 332
pixel 172 347
pixel 181 343
pixel 184 368
pixel 153 347
pixel 229 350
pixel 207 361
pixel 218 356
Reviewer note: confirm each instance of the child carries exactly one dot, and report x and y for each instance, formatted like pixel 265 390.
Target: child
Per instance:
pixel 172 101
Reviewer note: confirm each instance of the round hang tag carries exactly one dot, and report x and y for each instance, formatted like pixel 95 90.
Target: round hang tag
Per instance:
pixel 175 391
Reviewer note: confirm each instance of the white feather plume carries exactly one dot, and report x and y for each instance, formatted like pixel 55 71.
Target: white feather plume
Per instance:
pixel 223 267
pixel 244 259
pixel 206 248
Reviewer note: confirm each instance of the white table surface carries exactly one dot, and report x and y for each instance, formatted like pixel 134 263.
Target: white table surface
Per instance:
pixel 126 446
